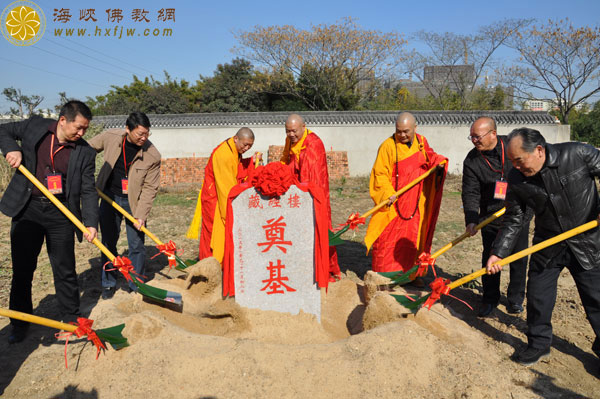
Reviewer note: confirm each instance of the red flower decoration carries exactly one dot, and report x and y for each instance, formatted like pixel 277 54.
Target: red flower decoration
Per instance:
pixel 273 179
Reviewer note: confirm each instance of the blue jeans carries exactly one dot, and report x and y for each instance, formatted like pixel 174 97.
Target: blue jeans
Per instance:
pixel 110 228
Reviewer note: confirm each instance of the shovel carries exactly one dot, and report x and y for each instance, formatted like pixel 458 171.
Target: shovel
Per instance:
pixel 112 335
pixel 426 260
pixel 168 249
pixel 354 220
pixel 121 263
pixel 442 287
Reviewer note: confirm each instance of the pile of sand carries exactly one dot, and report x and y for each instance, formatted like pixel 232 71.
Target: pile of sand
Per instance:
pixel 214 348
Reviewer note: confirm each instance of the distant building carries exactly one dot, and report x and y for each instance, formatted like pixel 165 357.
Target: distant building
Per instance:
pixel 456 78
pixel 547 105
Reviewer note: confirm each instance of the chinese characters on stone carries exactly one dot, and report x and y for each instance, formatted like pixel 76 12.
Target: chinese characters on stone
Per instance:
pixel 274 229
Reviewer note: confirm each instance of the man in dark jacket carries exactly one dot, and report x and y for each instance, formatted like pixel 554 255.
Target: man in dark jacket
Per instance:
pixel 483 192
pixel 557 182
pixel 61 160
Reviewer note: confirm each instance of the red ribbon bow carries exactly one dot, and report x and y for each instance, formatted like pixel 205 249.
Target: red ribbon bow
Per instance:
pixel 169 249
pixel 424 261
pixel 439 287
pixel 123 264
pixel 84 327
pixel 354 220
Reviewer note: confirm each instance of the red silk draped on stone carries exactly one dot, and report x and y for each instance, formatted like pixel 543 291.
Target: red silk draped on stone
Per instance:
pixel 321 253
pixel 311 166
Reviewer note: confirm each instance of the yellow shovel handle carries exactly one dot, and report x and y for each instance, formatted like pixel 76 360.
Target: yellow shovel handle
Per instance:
pixel 128 216
pixel 256 160
pixel 527 251
pixel 402 190
pixel 64 210
pixel 13 314
pixel 464 235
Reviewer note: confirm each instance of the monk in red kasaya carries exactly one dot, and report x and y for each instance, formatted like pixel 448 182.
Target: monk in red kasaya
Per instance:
pixel 224 170
pixel 398 233
pixel 304 152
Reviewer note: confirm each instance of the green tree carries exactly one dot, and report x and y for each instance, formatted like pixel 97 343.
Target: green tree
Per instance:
pixel 149 96
pixel 585 126
pixel 233 88
pixel 26 105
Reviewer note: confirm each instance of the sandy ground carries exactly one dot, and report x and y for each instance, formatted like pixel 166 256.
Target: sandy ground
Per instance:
pixel 367 345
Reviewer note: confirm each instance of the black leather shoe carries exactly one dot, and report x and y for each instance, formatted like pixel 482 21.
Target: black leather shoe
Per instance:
pixel 485 309
pixel 531 356
pixel 108 292
pixel 514 308
pixel 17 334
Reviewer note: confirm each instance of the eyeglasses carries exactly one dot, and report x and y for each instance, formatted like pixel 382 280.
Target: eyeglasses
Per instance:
pixel 478 138
pixel 144 134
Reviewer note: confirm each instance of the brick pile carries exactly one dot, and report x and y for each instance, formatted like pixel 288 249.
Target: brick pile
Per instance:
pixel 190 171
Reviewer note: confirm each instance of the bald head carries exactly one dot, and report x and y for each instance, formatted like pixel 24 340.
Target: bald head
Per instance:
pixel 243 139
pixel 483 134
pixel 245 133
pixel 294 128
pixel 406 127
pixel 406 117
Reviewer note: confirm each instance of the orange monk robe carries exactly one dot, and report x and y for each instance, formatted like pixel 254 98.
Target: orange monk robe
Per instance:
pixel 224 170
pixel 396 241
pixel 308 161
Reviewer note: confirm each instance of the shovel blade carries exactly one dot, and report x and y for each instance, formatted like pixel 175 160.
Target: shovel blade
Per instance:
pixel 113 335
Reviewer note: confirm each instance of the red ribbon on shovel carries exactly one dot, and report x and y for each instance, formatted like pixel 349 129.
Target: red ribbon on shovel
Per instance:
pixel 84 327
pixel 123 264
pixel 169 249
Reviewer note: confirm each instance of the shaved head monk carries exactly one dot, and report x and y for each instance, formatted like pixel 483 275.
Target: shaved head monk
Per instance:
pixel 399 232
pixel 304 152
pixel 224 170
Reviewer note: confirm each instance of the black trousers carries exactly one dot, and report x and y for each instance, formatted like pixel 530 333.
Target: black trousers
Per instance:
pixel 518 269
pixel 41 219
pixel 541 297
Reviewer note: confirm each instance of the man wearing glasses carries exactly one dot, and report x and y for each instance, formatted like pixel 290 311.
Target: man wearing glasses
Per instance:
pixel 131 177
pixel 483 192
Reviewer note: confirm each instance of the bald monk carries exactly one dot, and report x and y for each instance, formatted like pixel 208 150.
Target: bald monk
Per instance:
pixel 224 170
pixel 399 232
pixel 304 152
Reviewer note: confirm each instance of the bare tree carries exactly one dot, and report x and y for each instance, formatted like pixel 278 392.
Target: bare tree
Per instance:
pixel 559 60
pixel 327 62
pixel 26 105
pixel 457 63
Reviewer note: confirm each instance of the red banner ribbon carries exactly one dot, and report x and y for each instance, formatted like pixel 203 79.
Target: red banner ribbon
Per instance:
pixel 169 249
pixel 439 287
pixel 84 327
pixel 124 265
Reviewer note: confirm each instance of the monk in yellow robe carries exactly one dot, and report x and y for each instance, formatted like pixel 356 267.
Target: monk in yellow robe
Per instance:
pixel 224 170
pixel 398 233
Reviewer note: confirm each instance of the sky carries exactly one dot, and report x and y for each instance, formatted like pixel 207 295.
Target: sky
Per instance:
pixel 203 36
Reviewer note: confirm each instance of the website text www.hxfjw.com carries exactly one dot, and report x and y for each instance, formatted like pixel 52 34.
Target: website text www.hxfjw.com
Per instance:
pixel 116 32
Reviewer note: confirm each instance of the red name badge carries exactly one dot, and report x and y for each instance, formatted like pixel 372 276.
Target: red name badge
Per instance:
pixel 124 185
pixel 500 190
pixel 54 183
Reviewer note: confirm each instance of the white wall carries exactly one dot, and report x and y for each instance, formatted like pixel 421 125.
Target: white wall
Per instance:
pixel 360 141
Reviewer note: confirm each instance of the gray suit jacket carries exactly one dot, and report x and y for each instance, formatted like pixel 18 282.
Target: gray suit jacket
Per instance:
pixel 80 191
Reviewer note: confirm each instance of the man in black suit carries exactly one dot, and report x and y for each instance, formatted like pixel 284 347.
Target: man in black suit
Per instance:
pixel 58 156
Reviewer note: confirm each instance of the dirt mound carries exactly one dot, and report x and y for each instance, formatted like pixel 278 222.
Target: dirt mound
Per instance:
pixel 214 348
